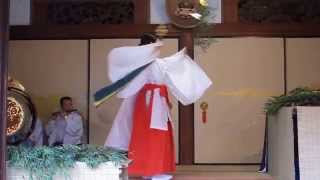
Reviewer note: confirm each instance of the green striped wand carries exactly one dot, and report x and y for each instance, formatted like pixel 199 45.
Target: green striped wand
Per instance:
pixel 106 92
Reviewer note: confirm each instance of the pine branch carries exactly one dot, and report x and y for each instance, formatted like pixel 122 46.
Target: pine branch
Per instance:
pixel 296 97
pixel 44 162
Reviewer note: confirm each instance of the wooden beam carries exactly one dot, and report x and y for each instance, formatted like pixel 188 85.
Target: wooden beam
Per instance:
pixel 83 31
pixel 141 11
pixel 133 31
pixel 264 30
pixel 39 12
pixel 186 113
pixel 230 11
pixel 4 30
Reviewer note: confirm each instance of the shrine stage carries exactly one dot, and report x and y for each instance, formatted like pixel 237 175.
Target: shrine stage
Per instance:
pixel 217 173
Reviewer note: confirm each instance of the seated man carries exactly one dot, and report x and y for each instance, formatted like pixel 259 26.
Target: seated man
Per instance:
pixel 65 126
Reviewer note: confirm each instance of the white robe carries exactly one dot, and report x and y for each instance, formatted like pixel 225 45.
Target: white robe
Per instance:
pixel 183 77
pixel 67 130
pixel 37 134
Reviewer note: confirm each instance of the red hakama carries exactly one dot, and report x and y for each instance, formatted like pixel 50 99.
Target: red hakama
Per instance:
pixel 152 150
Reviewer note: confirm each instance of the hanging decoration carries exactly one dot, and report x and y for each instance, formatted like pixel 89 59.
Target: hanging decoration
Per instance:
pixel 204 26
pixel 204 107
pixel 192 14
pixel 161 30
pixel 184 13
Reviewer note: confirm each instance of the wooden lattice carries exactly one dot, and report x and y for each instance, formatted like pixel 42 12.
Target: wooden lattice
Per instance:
pixel 92 12
pixel 292 11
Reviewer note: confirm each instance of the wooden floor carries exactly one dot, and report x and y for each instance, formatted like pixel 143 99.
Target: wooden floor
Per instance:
pixel 222 176
pixel 217 173
pixel 219 176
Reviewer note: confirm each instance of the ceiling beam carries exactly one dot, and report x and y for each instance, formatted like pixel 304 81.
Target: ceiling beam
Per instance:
pixel 87 31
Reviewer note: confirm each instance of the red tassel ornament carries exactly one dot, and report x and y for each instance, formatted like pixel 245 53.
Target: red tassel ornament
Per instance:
pixel 204 107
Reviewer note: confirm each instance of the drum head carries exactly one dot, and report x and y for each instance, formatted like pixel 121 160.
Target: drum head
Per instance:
pixel 21 116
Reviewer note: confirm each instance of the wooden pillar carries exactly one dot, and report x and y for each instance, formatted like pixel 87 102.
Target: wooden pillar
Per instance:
pixel 4 32
pixel 186 113
pixel 141 11
pixel 39 12
pixel 230 11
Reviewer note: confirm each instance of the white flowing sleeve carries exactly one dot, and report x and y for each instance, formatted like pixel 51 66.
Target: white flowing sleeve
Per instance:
pixel 124 60
pixel 185 78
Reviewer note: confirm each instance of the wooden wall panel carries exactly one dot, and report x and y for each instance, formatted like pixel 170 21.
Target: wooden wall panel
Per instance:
pixel 245 72
pixel 50 69
pixel 303 62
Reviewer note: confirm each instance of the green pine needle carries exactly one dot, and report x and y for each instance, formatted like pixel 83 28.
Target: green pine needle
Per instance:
pixel 204 26
pixel 297 97
pixel 44 162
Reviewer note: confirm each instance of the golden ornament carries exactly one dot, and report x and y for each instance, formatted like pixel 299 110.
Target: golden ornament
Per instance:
pixel 204 2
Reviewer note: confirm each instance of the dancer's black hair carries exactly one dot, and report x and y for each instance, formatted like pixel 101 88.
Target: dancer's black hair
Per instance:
pixel 147 38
